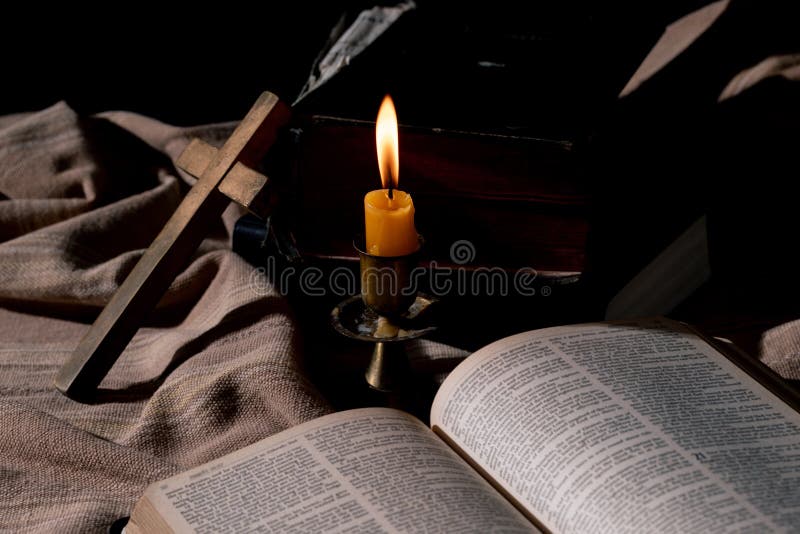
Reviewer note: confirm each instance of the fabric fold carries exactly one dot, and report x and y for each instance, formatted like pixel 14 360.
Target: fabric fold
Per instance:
pixel 215 367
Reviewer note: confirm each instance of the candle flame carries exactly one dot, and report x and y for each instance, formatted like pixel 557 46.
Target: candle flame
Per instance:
pixel 387 144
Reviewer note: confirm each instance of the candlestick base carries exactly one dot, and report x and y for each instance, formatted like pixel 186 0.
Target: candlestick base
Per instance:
pixel 389 367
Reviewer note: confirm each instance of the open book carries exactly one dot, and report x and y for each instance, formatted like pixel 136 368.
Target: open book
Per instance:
pixel 612 427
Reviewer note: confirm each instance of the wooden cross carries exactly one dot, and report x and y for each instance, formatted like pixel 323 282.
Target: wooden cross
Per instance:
pixel 223 175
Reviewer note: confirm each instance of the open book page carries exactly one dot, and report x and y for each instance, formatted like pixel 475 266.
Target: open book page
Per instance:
pixel 368 470
pixel 625 427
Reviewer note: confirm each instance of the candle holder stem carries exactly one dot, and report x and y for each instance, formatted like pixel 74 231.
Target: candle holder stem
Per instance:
pixel 389 312
pixel 388 368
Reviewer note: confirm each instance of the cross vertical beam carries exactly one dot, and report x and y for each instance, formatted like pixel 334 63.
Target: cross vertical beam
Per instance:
pixel 173 247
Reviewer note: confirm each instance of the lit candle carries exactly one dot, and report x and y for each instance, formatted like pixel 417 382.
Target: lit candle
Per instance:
pixel 389 212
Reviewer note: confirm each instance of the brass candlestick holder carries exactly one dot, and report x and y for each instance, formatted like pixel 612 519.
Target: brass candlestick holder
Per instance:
pixel 389 312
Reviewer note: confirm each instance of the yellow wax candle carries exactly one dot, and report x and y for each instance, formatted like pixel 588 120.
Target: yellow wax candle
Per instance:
pixel 388 212
pixel 390 223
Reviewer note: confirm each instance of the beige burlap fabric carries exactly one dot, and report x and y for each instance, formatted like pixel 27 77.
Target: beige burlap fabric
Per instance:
pixel 216 367
pixel 780 349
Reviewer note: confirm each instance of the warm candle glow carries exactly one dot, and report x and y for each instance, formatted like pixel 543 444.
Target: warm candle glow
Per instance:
pixel 389 212
pixel 387 144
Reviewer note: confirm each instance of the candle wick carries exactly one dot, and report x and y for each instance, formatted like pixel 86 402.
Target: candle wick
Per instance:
pixel 391 194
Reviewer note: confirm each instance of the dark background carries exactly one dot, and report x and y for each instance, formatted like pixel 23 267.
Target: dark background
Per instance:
pixel 192 65
pixel 656 160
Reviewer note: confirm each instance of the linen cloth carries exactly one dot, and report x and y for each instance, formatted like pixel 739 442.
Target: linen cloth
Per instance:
pixel 217 366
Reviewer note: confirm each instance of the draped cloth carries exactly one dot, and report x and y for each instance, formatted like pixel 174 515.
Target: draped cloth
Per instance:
pixel 215 368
